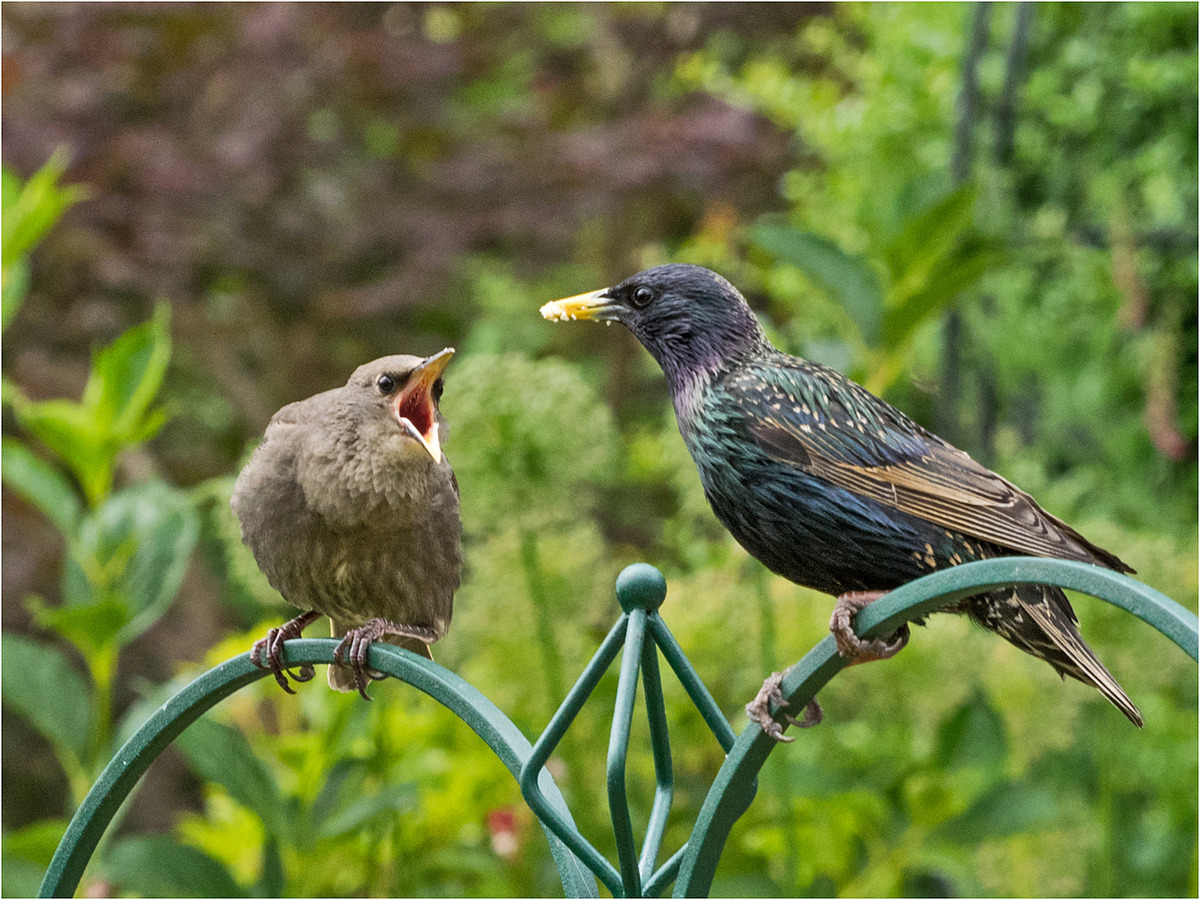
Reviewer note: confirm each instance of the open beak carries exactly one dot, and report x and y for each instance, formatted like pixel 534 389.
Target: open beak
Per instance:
pixel 415 407
pixel 596 305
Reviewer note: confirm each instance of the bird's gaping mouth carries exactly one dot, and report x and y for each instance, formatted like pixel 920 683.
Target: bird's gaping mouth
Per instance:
pixel 596 305
pixel 415 408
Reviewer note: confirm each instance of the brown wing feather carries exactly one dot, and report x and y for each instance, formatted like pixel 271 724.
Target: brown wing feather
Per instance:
pixel 943 485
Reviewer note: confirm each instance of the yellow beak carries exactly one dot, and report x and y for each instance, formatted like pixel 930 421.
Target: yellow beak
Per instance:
pixel 595 305
pixel 415 407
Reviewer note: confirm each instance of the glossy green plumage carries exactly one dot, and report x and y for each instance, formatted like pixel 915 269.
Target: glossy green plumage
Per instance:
pixel 831 487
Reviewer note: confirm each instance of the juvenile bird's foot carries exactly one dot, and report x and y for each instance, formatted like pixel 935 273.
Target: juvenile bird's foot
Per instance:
pixel 759 710
pixel 272 646
pixel 849 644
pixel 352 651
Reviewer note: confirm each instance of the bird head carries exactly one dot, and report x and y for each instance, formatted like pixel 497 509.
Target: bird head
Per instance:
pixel 397 397
pixel 692 320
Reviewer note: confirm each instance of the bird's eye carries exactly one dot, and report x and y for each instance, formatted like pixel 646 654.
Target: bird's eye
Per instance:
pixel 386 384
pixel 438 387
pixel 641 297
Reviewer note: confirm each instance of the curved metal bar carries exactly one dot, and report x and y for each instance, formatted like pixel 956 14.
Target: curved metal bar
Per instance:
pixel 618 750
pixel 531 787
pixel 660 745
pixel 673 653
pixel 940 588
pixel 640 589
pixel 659 881
pixel 131 761
pixel 726 800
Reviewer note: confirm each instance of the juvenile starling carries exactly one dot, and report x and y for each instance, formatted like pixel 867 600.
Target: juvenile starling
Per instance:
pixel 351 510
pixel 831 487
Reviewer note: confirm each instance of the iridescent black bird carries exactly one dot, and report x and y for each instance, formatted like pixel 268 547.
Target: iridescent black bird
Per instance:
pixel 831 487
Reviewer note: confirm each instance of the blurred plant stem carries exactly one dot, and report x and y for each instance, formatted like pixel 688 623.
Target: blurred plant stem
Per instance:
pixel 102 666
pixel 552 663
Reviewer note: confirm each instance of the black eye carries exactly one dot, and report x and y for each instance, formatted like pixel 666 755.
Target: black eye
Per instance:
pixel 641 297
pixel 438 387
pixel 386 384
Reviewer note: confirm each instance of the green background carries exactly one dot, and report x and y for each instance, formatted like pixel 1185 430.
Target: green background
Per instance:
pixel 987 214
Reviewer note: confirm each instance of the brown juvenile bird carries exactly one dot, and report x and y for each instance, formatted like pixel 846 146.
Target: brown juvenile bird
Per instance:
pixel 351 510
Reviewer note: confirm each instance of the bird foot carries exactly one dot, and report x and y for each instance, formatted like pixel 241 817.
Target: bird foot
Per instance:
pixel 849 644
pixel 352 651
pixel 759 710
pixel 272 647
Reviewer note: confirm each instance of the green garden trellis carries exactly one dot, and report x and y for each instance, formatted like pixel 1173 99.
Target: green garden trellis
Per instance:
pixel 643 636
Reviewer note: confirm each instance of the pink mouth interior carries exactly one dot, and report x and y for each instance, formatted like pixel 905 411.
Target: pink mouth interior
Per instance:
pixel 416 407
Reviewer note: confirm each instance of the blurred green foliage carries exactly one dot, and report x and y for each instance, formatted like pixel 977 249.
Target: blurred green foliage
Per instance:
pixel 313 186
pixel 126 550
pixel 30 210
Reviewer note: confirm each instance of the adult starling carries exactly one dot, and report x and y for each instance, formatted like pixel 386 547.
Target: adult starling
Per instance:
pixel 831 487
pixel 351 511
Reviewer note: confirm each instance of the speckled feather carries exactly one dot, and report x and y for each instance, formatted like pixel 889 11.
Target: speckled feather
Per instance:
pixel 835 489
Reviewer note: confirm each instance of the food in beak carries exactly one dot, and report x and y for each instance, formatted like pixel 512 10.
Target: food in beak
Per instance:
pixel 593 305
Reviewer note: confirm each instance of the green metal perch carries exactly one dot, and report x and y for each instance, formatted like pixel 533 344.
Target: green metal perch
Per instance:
pixel 643 636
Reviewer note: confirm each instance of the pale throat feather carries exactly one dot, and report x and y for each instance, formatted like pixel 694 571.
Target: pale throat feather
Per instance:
pixel 687 393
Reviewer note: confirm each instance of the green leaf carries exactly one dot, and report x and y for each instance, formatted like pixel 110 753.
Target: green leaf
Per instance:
pixel 135 550
pixel 13 290
pixel 343 781
pixel 126 376
pixel 925 241
pixel 20 878
pixel 115 412
pixel 41 484
pixel 387 801
pixel 158 866
pixel 951 278
pixel 32 209
pixel 29 211
pixel 91 627
pixel 41 685
pixel 847 279
pixel 27 855
pixel 271 879
pixel 35 843
pixel 221 754
pixel 69 431
pixel 1008 808
pixel 973 736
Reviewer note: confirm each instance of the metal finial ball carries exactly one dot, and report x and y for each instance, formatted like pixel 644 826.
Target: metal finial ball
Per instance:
pixel 641 586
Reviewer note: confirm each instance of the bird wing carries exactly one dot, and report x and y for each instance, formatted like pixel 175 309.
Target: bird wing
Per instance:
pixel 293 414
pixel 820 422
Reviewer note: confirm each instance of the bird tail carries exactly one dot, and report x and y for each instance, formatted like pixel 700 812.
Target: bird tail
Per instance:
pixel 341 678
pixel 1039 620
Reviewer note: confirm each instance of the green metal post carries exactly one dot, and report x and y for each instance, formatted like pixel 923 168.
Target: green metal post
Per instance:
pixel 664 777
pixel 618 749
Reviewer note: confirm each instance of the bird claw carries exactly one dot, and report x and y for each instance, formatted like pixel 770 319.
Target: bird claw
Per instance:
pixel 272 647
pixel 758 710
pixel 352 651
pixel 850 646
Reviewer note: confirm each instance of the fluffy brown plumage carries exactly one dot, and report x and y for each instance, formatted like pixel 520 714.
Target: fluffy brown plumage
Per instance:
pixel 351 510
